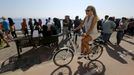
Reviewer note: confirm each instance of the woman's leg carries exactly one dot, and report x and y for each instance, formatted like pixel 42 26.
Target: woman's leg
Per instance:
pixel 82 45
pixel 7 35
pixel 76 38
pixel 118 38
pixel 12 33
pixel 31 32
pixel 6 42
pixel 25 32
pixel 85 43
pixel 89 38
pixel 15 34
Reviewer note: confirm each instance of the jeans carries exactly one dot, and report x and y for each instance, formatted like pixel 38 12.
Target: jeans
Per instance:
pixel 106 37
pixel 119 36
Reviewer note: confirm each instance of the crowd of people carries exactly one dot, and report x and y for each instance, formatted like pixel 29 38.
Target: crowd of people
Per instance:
pixel 8 29
pixel 121 26
pixel 89 27
pixel 5 30
pixel 51 27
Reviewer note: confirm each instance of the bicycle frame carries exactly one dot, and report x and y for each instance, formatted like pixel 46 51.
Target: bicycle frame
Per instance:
pixel 70 44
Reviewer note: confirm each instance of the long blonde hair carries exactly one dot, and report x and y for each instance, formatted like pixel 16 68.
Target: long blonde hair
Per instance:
pixel 93 9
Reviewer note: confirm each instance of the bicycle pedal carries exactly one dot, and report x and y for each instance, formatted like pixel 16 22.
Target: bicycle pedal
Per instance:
pixel 90 44
pixel 79 58
pixel 85 57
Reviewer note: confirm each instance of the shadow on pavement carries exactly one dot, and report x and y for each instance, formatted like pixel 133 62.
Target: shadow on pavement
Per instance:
pixel 128 41
pixel 128 36
pixel 126 52
pixel 63 70
pixel 118 52
pixel 30 58
pixel 27 60
pixel 89 68
pixel 113 52
pixel 95 67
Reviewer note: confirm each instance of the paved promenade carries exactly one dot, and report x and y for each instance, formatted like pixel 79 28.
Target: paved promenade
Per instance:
pixel 115 60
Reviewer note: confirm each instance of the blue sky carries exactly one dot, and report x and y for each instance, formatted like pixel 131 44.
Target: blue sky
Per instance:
pixel 60 8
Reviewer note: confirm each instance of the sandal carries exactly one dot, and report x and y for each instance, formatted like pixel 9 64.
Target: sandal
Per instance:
pixel 7 46
pixel 88 52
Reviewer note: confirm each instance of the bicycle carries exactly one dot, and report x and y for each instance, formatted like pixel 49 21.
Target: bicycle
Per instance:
pixel 65 55
pixel 96 48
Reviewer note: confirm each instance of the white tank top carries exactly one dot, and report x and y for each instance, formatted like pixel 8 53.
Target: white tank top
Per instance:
pixel 88 23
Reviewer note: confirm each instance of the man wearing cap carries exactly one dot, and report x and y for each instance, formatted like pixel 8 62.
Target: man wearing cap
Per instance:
pixel 2 36
pixel 5 26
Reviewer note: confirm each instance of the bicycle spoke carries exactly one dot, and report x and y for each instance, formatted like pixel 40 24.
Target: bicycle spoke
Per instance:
pixel 65 57
pixel 96 53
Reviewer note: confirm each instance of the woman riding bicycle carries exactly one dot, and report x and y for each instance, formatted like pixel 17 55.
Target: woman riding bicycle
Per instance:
pixel 90 23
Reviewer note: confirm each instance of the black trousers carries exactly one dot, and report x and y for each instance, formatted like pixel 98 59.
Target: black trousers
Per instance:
pixel 14 34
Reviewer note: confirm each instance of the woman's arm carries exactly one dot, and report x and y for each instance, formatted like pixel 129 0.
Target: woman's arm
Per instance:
pixel 81 25
pixel 94 21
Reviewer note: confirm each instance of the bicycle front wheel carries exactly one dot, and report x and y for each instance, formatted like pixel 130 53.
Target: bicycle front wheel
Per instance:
pixel 63 57
pixel 95 53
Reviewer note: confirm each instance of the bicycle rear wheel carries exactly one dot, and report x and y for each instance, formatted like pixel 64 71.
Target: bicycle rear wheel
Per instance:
pixel 95 53
pixel 63 57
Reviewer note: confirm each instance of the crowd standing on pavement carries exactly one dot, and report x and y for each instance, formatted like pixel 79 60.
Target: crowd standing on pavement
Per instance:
pixel 54 26
pixel 121 26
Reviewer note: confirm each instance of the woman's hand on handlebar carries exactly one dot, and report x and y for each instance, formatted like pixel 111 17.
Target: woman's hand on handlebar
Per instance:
pixel 84 34
pixel 73 29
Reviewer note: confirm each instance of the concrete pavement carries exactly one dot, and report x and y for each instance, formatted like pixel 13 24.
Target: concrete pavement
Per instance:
pixel 115 60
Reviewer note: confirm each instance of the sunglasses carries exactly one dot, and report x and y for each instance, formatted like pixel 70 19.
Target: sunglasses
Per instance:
pixel 87 10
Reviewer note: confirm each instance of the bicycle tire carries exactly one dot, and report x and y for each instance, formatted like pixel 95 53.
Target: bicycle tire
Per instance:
pixel 98 66
pixel 55 60
pixel 93 53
